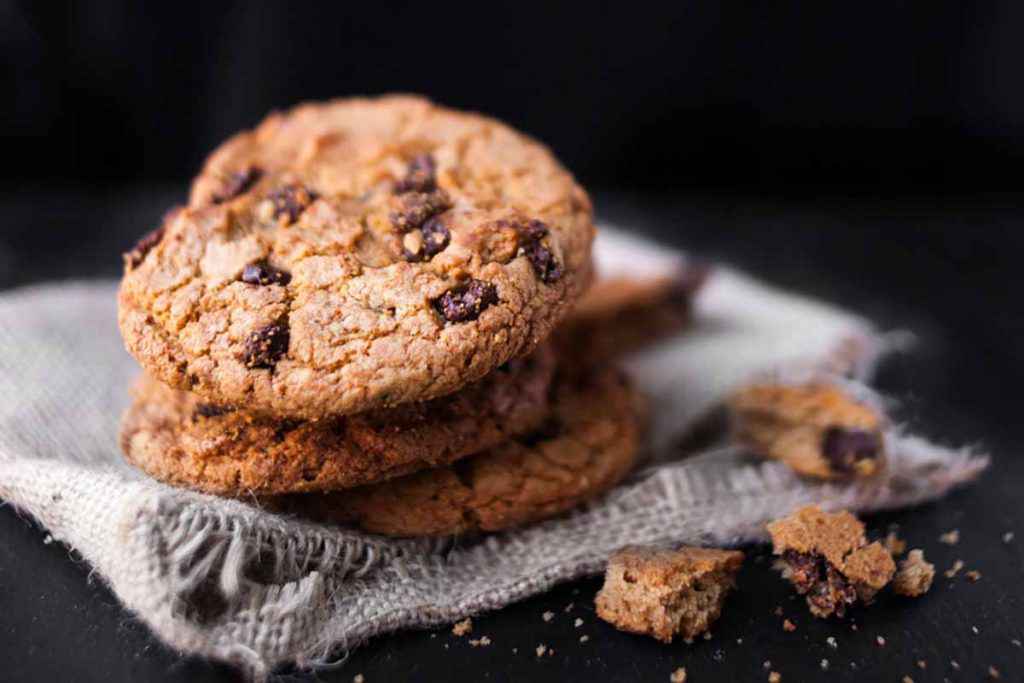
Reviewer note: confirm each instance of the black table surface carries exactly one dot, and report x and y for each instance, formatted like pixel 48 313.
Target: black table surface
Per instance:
pixel 947 268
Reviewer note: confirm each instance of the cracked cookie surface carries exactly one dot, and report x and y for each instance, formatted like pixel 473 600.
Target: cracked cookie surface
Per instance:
pixel 357 254
pixel 176 437
pixel 587 445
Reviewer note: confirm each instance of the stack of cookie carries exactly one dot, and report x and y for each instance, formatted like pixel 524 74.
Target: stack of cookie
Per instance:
pixel 351 319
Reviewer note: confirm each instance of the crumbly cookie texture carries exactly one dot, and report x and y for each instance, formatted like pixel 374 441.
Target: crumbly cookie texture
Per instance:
pixel 175 437
pixel 817 429
pixel 357 254
pixel 619 315
pixel 828 559
pixel 665 593
pixel 587 445
pixel 915 575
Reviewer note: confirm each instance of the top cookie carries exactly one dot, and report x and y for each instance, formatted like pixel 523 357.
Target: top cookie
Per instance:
pixel 354 255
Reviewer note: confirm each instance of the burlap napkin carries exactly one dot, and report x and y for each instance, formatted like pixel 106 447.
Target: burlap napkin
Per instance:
pixel 228 580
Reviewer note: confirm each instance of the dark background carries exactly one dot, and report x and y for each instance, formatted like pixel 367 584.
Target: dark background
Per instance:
pixel 867 153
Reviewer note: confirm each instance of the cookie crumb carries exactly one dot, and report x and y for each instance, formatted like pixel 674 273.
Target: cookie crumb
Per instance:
pixel 827 559
pixel 955 664
pixel 548 616
pixel 894 544
pixel 541 649
pixel 463 627
pixel 788 626
pixel 993 673
pixel 921 664
pixel 951 537
pixel 774 677
pixel 954 570
pixel 482 641
pixel 678 676
pixel 568 608
pixel 767 664
pixel 880 640
pixel 824 665
pixel 907 679
pixel 915 575
pixel 707 635
pixel 665 593
pixel 47 539
pixel 778 611
pixel 358 678
pixel 1008 537
pixel 584 639
pixel 578 622
pixel 832 643
pixel 973 575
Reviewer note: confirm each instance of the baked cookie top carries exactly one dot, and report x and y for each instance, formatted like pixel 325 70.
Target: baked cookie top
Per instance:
pixel 588 444
pixel 357 254
pixel 176 437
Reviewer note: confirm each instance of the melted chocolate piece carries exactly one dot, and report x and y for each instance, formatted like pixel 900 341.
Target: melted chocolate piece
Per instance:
pixel 466 302
pixel 266 345
pixel 543 261
pixel 420 177
pixel 291 200
pixel 238 183
pixel 211 410
pixel 262 273
pixel 416 208
pixel 844 448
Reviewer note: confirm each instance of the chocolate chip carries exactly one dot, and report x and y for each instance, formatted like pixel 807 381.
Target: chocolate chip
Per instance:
pixel 238 183
pixel 291 200
pixel 262 273
pixel 265 346
pixel 466 302
pixel 543 261
pixel 135 257
pixel 433 238
pixel 844 448
pixel 419 177
pixel 415 208
pixel 211 410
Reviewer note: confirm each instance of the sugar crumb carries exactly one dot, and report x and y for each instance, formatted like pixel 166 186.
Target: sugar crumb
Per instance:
pixel 578 622
pixel 767 664
pixel 463 627
pixel 584 639
pixel 1016 642
pixel 955 664
pixel 548 616
pixel 358 678
pixel 951 537
pixel 482 641
pixel 880 640
pixel 921 664
pixel 974 630
pixel 1008 537
pixel 774 677
pixel 832 642
pixel 954 570
pixel 678 676
pixel 541 649
pixel 568 608
pixel 908 679
pixel 824 665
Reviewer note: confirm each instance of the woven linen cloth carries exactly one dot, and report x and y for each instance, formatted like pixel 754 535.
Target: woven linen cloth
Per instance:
pixel 228 580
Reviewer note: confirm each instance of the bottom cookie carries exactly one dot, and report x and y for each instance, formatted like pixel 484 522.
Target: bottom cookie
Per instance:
pixel 587 446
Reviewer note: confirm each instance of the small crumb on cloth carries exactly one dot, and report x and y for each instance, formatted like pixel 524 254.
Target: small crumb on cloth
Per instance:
pixel 463 627
pixel 678 676
pixel 951 537
pixel 548 616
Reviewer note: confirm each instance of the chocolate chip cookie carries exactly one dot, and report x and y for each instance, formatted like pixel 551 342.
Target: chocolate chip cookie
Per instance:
pixel 176 437
pixel 816 428
pixel 587 445
pixel 357 254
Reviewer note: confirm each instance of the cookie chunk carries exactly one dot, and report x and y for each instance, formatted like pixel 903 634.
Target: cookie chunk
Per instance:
pixel 817 429
pixel 915 575
pixel 176 437
pixel 587 444
pixel 354 255
pixel 664 593
pixel 827 558
pixel 619 315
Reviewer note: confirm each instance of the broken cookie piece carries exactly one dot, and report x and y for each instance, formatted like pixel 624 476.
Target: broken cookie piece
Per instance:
pixel 662 593
pixel 915 575
pixel 827 558
pixel 817 429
